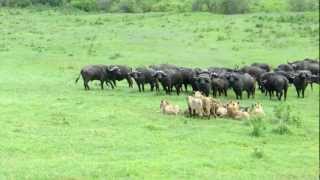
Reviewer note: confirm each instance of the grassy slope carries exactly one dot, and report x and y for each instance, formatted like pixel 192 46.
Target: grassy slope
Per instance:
pixel 52 128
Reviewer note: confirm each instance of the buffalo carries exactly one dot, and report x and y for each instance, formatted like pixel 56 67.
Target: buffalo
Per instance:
pixel 264 66
pixel 124 74
pixel 276 82
pixel 188 77
pixel 97 72
pixel 301 82
pixel 169 79
pixel 143 75
pixel 285 67
pixel 242 82
pixel 203 82
pixel 254 71
pixel 219 85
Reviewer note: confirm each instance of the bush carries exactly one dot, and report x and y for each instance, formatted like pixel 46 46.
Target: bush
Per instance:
pixel 221 6
pixel 258 153
pixel 303 5
pixel 283 118
pixel 15 3
pixel 269 6
pixel 104 4
pixel 85 5
pixel 48 2
pixel 234 6
pixel 22 3
pixel 128 6
pixel 282 128
pixel 257 125
pixel 214 6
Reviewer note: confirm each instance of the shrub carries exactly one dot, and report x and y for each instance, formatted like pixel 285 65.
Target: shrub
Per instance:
pixel 258 153
pixel 269 6
pixel 234 6
pixel 85 5
pixel 104 4
pixel 283 118
pixel 303 5
pixel 257 125
pixel 22 3
pixel 282 128
pixel 15 3
pixel 48 2
pixel 126 6
pixel 221 6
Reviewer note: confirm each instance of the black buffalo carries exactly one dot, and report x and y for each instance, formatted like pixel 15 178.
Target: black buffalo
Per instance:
pixel 264 66
pixel 124 74
pixel 301 82
pixel 97 72
pixel 219 85
pixel 188 77
pixel 143 75
pixel 276 83
pixel 242 82
pixel 203 82
pixel 169 79
pixel 307 64
pixel 254 71
pixel 285 67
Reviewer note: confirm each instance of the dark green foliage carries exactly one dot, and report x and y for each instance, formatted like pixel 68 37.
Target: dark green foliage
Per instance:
pixel 283 118
pixel 137 6
pixel 25 3
pixel 303 5
pixel 85 5
pixel 258 153
pixel 221 6
pixel 257 126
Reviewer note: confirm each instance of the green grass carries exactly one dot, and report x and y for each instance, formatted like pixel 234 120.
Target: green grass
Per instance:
pixel 52 129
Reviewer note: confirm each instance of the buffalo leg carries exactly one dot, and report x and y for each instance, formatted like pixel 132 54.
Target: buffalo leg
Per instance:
pixel 101 84
pixel 139 87
pixel 270 93
pixel 111 84
pixel 114 83
pixel 178 89
pixel 142 87
pixel 214 93
pixel 280 95
pixel 130 82
pixel 285 94
pixel 86 86
pixel 298 92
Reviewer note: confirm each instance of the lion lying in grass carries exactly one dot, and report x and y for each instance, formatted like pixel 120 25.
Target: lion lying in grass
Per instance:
pixel 168 108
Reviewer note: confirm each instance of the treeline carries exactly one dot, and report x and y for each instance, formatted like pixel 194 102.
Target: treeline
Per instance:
pixel 138 6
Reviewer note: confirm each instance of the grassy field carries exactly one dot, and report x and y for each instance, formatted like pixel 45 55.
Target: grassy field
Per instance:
pixel 52 129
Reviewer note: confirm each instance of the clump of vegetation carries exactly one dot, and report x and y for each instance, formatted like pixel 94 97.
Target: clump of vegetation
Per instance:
pixel 258 153
pixel 283 118
pixel 221 6
pixel 257 126
pixel 137 6
pixel 303 5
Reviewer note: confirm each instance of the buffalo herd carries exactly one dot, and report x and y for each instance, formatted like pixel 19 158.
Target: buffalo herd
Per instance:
pixel 215 80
